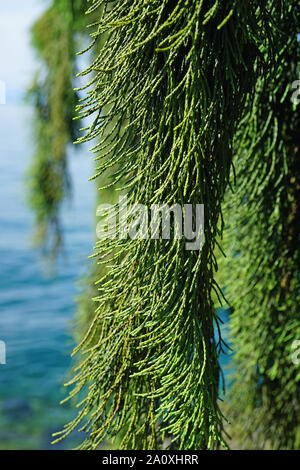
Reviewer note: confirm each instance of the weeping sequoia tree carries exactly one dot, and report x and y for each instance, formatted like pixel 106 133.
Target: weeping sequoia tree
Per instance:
pixel 53 37
pixel 191 104
pixel 263 258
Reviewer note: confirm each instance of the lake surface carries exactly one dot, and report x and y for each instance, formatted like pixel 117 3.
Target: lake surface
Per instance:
pixel 36 306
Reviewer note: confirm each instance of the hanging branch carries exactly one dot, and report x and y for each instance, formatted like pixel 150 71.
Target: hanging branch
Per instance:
pixel 177 74
pixel 54 103
pixel 263 257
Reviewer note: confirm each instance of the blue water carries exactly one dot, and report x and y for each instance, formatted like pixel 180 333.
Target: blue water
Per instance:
pixel 36 305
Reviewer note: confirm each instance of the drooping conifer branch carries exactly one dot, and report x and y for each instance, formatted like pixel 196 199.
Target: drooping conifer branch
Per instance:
pixel 170 83
pixel 54 100
pixel 263 257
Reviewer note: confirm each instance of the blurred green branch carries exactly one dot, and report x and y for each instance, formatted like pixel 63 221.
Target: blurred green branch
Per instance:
pixel 55 38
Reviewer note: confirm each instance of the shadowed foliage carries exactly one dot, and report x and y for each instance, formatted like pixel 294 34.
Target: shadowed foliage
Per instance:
pixel 261 272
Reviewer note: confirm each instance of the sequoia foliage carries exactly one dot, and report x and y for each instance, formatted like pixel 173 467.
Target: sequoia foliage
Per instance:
pixel 177 75
pixel 179 91
pixel 54 100
pixel 261 271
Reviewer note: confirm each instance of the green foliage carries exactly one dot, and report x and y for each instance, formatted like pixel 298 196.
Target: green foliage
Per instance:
pixel 53 37
pixel 170 81
pixel 168 87
pixel 261 273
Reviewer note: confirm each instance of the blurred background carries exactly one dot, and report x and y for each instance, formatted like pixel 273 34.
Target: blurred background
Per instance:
pixel 36 303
